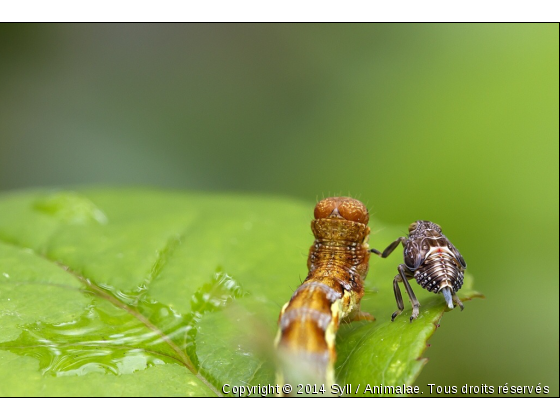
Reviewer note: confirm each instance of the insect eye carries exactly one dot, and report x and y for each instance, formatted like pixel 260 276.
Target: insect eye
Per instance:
pixel 412 226
pixel 412 256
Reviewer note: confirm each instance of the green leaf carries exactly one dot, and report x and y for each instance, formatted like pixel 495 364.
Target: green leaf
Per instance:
pixel 152 293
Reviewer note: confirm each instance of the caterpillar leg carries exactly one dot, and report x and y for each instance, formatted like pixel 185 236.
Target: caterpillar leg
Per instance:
pixel 361 316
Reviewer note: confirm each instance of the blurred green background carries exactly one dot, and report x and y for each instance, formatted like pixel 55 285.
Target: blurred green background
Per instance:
pixel 455 123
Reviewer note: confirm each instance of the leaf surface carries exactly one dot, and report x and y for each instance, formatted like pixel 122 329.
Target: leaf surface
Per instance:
pixel 152 293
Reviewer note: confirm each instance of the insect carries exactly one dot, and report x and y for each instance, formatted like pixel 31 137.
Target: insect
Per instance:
pixel 432 260
pixel 331 292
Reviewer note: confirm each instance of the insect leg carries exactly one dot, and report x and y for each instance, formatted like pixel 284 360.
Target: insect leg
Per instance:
pixel 389 249
pixel 415 304
pixel 398 297
pixel 457 301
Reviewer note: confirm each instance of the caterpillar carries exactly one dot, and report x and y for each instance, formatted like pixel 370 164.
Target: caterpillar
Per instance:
pixel 331 292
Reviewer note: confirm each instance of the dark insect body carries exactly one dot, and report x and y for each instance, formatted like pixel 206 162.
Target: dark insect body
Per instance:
pixel 331 292
pixel 431 259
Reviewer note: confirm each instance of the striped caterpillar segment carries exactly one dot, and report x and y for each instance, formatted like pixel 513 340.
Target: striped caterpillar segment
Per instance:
pixel 331 292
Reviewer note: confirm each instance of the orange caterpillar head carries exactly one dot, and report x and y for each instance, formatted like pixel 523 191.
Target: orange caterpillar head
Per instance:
pixel 342 208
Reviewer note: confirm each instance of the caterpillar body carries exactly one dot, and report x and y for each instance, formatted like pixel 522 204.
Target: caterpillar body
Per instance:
pixel 338 265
